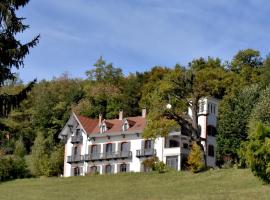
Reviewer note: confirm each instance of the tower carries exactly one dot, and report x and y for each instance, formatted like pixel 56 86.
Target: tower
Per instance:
pixel 207 120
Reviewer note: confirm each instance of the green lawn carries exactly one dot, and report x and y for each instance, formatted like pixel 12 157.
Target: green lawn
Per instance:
pixel 215 184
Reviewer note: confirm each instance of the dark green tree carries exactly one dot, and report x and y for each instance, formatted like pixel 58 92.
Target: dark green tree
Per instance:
pixel 12 51
pixel 233 121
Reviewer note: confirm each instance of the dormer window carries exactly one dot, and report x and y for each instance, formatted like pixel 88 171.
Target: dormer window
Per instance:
pixel 125 126
pixel 103 128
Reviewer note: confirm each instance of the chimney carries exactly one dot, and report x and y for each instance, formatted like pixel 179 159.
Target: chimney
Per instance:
pixel 120 114
pixel 99 119
pixel 144 112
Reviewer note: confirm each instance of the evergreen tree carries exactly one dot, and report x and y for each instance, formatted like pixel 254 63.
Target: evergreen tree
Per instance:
pixel 12 51
pixel 19 148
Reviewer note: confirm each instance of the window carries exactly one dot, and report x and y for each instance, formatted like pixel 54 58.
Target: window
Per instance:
pixel 173 143
pixel 124 146
pixel 125 126
pixel 109 148
pixel 76 171
pixel 93 169
pixel 214 109
pixel 147 144
pixel 78 132
pixel 211 130
pixel 75 151
pixel 185 145
pixel 202 106
pixel 108 169
pixel 172 162
pixel 123 167
pixel 103 128
pixel 94 149
pixel 211 151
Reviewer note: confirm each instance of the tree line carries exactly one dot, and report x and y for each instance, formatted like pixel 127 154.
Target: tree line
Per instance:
pixel 32 116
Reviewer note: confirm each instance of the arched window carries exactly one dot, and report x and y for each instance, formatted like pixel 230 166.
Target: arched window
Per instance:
pixel 109 148
pixel 124 146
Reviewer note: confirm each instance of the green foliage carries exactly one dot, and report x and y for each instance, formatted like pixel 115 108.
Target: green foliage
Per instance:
pixel 257 152
pixel 234 113
pixel 261 111
pixel 12 168
pixel 39 157
pixel 196 159
pixel 12 50
pixel 19 150
pixel 155 164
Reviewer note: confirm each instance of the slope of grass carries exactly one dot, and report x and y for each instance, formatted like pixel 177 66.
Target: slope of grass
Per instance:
pixel 216 184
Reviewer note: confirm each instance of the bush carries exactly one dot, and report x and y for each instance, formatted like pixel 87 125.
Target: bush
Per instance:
pixel 196 158
pixel 155 165
pixel 13 167
pixel 257 151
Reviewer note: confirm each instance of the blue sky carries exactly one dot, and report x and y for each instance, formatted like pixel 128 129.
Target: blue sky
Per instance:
pixel 139 34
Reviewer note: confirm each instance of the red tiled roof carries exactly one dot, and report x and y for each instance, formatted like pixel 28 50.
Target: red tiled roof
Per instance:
pixel 91 126
pixel 87 123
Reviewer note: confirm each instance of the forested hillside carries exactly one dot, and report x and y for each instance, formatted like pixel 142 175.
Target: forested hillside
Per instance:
pixel 36 123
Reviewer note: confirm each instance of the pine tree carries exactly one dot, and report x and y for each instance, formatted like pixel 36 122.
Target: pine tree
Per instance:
pixel 12 51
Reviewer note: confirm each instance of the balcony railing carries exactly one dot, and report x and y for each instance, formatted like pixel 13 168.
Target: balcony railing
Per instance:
pixel 75 158
pixel 108 155
pixel 145 152
pixel 76 139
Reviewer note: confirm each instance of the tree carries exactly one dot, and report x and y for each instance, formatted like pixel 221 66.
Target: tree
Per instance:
pixel 196 158
pixel 12 51
pixel 247 63
pixel 234 114
pixel 183 88
pixel 39 157
pixel 257 152
pixel 19 148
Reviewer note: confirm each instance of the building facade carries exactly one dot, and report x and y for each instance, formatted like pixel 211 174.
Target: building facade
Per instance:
pixel 116 145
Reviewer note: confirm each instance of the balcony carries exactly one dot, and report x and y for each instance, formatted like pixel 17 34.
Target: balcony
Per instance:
pixel 145 152
pixel 75 158
pixel 76 139
pixel 108 156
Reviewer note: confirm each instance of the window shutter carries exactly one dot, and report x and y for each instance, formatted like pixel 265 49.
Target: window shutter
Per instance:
pixel 98 148
pixel 112 169
pixel 89 149
pixel 98 169
pixel 81 170
pixel 119 146
pixel 128 167
pixel 142 144
pixel 72 171
pixel 103 169
pixel 104 148
pixel 128 146
pixel 152 144
pixel 113 147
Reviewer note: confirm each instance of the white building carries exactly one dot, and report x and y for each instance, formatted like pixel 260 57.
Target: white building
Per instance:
pixel 116 145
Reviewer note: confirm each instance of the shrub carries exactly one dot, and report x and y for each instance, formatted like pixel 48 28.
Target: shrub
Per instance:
pixel 196 158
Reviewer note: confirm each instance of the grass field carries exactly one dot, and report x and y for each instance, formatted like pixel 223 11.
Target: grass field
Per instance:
pixel 215 184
